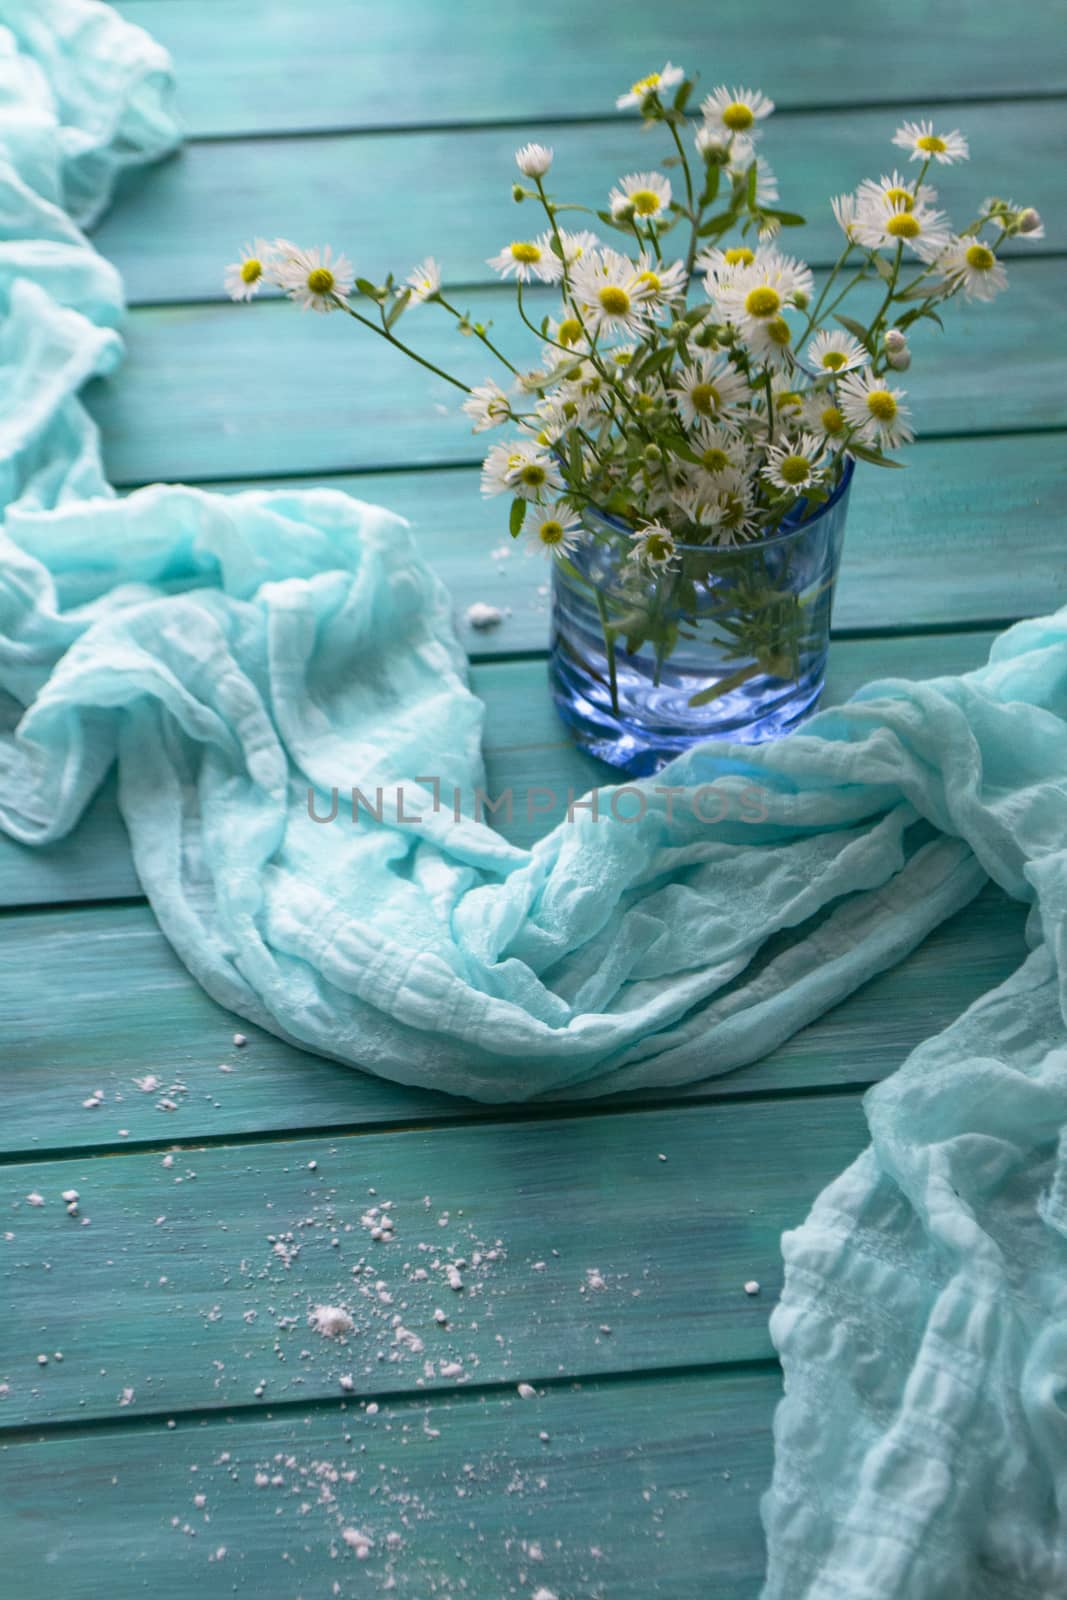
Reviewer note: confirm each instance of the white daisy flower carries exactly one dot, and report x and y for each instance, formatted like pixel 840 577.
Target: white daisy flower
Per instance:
pixel 834 350
pixel 821 415
pixel 610 297
pixel 529 259
pixel 894 193
pixel 874 410
pixel 425 281
pixel 554 530
pixel 709 390
pixel 244 278
pixel 568 332
pixel 788 402
pixel 736 110
pixel 313 278
pixel 970 265
pixel 717 265
pixel 653 545
pixel 925 232
pixel 924 144
pixel 487 406
pixel 762 291
pixel 575 245
pixel 766 182
pixel 656 84
pixel 796 466
pixel 663 283
pixel 520 467
pixel 771 341
pixel 533 160
pixel 727 516
pixel 642 194
pixel 845 208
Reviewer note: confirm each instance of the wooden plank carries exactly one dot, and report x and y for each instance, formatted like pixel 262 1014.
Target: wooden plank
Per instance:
pixel 639 1488
pixel 449 194
pixel 566 1228
pixel 267 65
pixel 261 389
pixel 525 745
pixel 96 999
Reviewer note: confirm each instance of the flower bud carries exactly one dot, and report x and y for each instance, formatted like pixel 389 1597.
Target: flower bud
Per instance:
pixel 900 360
pixel 533 160
pixel 895 341
pixel 518 193
pixel 1029 220
pixel 653 454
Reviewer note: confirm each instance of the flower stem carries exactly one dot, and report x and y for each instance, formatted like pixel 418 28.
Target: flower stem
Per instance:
pixel 383 333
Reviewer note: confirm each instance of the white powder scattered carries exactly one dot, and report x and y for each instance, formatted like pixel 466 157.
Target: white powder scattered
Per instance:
pixel 330 1321
pixel 357 1541
pixel 527 1391
pixel 347 1382
pixel 455 1281
pixel 595 1279
pixel 149 1083
pixel 69 1195
pixel 126 1397
pixel 752 1287
pixel 545 1594
pixel 168 1161
pixel 95 1099
pixel 440 1317
pixel 42 1361
pixel 313 1166
pixel 451 1369
pixel 261 1480
pixel 373 1409
pixel 661 1158
pixel 199 1501
pixel 239 1040
pixel 35 1199
pixel 479 615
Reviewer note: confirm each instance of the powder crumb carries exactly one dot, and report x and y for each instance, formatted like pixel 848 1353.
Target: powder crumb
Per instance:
pixel 261 1480
pixel 149 1083
pixel 373 1409
pixel 168 1161
pixel 239 1040
pixel 527 1391
pixel 42 1361
pixel 330 1321
pixel 69 1195
pixel 595 1278
pixel 479 615
pixel 357 1541
pixel 545 1594
pixel 661 1157
pixel 95 1099
pixel 35 1199
pixel 126 1397
pixel 752 1287
pixel 347 1382
pixel 543 1437
pixel 313 1166
pixel 199 1501
pixel 440 1317
pixel 455 1280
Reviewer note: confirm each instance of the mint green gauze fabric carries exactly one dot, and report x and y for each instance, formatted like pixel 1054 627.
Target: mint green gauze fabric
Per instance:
pixel 228 654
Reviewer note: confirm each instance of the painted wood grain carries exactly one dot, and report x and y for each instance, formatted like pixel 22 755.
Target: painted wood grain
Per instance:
pixel 525 745
pixel 259 389
pixel 174 226
pixel 582 1252
pixel 269 65
pixel 640 1489
pixel 96 999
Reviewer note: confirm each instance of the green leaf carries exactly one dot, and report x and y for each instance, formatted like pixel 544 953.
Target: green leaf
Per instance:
pixel 681 99
pixel 876 459
pixel 371 290
pixel 788 219
pixel 717 224
pixel 398 307
pixel 915 291
pixel 857 329
pixel 882 267
pixel 517 517
pixel 711 187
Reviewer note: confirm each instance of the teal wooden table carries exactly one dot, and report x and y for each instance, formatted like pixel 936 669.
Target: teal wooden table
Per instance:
pixel 170 1423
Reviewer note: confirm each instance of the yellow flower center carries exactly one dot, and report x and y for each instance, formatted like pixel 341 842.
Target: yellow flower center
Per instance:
pixel 832 419
pixel 658 547
pixel 933 145
pixel 714 460
pixel 762 302
pixel 795 469
pixel 980 257
pixel 623 357
pixel 570 330
pixel 788 400
pixel 532 474
pixel 523 250
pixel 733 511
pixel 652 281
pixel 737 116
pixel 645 401
pixel 615 301
pixel 834 360
pixel 899 199
pixel 704 397
pixel 902 225
pixel 645 86
pixel 739 256
pixel 320 280
pixel 251 270
pixel 646 202
pixel 881 405
pixel 779 332
pixel 551 532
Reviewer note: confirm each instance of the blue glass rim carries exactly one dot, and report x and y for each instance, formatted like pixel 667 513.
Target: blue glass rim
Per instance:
pixel 793 525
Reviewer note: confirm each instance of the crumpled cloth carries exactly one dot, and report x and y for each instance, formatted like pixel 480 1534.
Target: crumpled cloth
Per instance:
pixel 231 653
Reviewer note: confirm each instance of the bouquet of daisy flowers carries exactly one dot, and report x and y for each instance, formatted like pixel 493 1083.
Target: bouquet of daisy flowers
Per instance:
pixel 691 388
